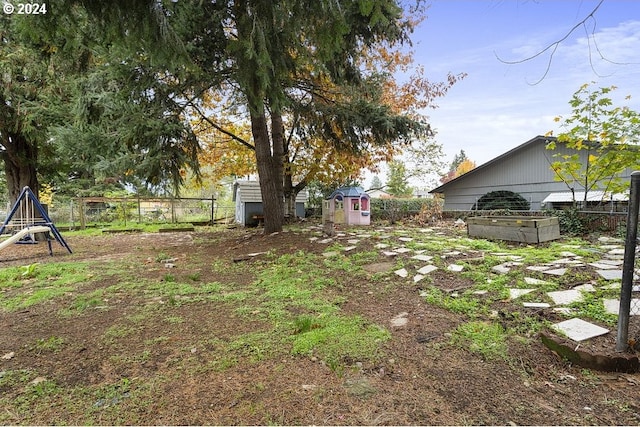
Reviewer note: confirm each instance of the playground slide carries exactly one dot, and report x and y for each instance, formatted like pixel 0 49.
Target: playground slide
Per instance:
pixel 20 234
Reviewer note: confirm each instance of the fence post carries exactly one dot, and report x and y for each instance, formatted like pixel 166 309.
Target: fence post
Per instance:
pixel 629 262
pixel 213 212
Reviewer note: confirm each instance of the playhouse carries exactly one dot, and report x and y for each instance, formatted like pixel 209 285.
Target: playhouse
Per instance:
pixel 347 205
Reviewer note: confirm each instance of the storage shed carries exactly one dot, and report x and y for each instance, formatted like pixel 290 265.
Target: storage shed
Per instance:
pixel 347 205
pixel 248 199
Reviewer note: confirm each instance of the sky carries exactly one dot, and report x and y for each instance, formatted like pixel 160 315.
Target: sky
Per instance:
pixel 499 106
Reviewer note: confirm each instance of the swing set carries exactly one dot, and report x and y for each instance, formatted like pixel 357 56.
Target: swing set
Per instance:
pixel 31 219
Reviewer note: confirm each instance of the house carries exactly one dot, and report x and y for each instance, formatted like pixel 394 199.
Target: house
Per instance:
pixel 525 170
pixel 347 205
pixel 248 199
pixel 379 194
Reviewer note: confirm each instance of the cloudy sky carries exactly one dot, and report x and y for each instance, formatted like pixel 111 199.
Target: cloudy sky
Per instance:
pixel 500 106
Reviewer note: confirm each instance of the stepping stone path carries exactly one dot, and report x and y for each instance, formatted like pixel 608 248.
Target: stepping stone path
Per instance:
pixel 609 267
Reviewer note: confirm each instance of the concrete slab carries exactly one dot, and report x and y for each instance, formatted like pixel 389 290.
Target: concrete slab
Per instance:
pixel 587 287
pixel 455 267
pixel 565 297
pixel 613 306
pixel 420 257
pixel 405 239
pixel 500 269
pixel 402 250
pixel 611 261
pixel 389 253
pixel 618 251
pixel 330 254
pixel 568 254
pixel 534 281
pixel 515 293
pixel 381 246
pixel 603 265
pixel 610 274
pixel 402 272
pixel 427 269
pixel 579 330
pixel 536 305
pixel 555 271
pixel 353 241
pixel 349 248
pixel 417 278
pixel 539 267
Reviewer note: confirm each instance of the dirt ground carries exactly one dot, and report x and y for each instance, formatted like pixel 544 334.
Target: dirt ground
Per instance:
pixel 420 380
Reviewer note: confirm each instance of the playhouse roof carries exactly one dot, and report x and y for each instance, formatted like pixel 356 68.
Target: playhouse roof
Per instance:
pixel 349 192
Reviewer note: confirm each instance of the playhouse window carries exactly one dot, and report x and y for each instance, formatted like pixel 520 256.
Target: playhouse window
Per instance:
pixel 355 205
pixel 339 202
pixel 364 202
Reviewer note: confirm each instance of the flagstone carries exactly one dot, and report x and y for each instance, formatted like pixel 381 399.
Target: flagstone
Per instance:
pixel 353 241
pixel 539 267
pixel 402 272
pixel 619 251
pixel 501 269
pixel 610 274
pixel 481 292
pixel 418 277
pixel 329 240
pixel 389 253
pixel 349 248
pixel 556 271
pixel 427 269
pixel 381 246
pixel 616 261
pixel 566 261
pixel 536 305
pixel 330 254
pixel 613 306
pixel 603 266
pixel 534 281
pixel 569 254
pixel 421 257
pixel 402 250
pixel 587 287
pixel 563 310
pixel 405 239
pixel 579 330
pixel 516 293
pixel 565 297
pixel 455 267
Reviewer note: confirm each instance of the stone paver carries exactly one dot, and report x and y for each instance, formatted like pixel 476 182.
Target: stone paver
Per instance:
pixel 579 330
pixel 427 269
pixel 516 293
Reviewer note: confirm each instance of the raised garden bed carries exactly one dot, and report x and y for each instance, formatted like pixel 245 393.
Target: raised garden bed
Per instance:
pixel 526 229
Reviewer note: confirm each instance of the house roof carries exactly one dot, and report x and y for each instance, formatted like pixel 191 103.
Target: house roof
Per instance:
pixel 536 140
pixel 592 196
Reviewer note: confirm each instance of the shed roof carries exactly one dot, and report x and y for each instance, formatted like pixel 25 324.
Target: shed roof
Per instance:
pixel 250 192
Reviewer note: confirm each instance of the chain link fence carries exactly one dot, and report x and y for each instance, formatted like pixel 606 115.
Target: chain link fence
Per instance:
pixel 83 212
pixel 628 336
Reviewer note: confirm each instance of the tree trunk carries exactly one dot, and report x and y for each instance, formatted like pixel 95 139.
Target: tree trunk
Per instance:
pixel 20 165
pixel 269 162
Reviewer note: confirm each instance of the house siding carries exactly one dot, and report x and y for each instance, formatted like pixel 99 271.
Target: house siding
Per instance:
pixel 525 170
